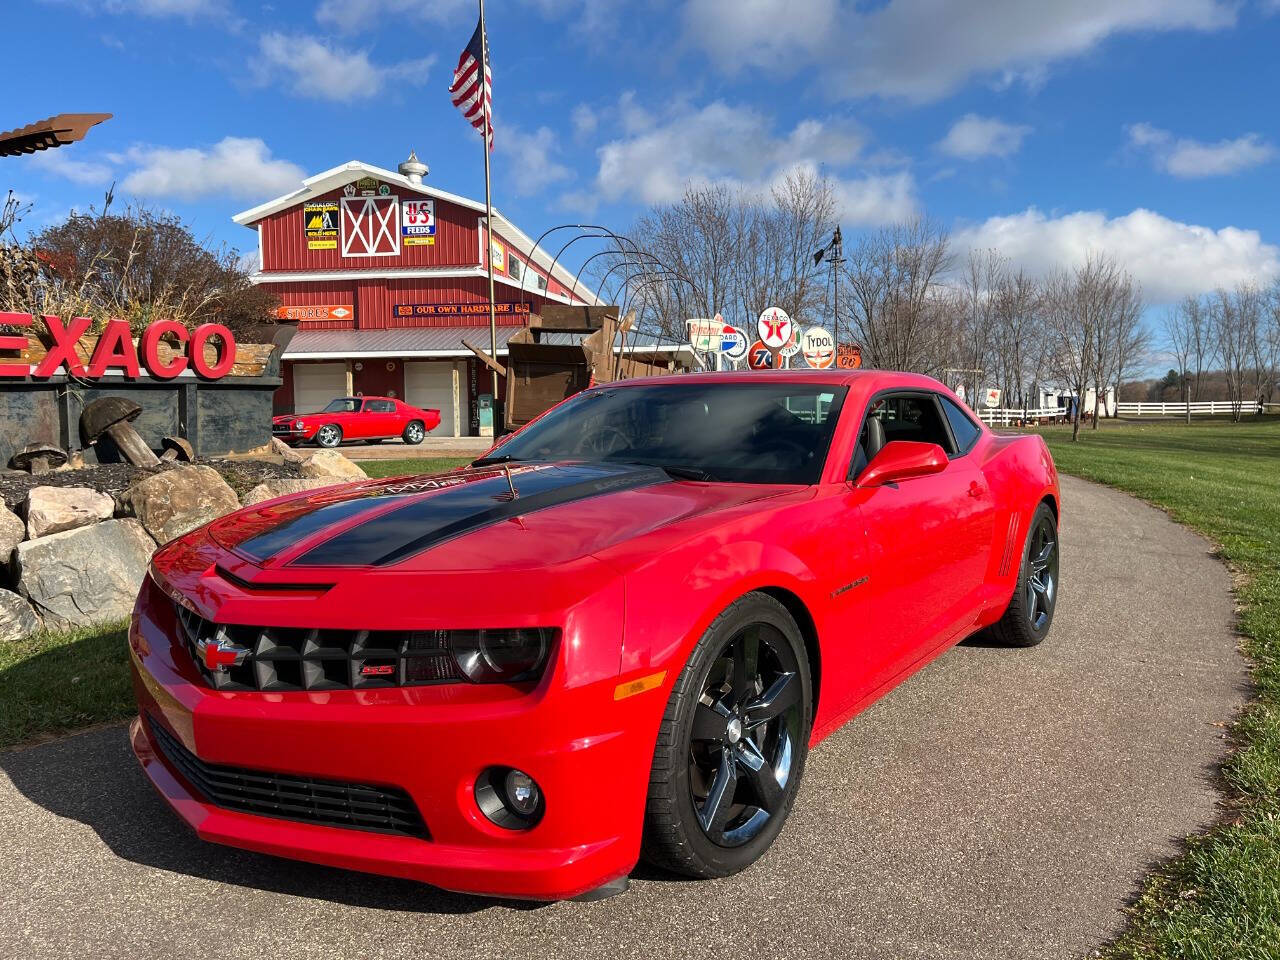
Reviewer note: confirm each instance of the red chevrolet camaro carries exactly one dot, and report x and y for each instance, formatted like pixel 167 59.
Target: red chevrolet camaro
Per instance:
pixel 357 418
pixel 616 635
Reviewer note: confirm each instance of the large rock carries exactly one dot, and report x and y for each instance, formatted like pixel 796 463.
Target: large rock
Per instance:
pixel 54 509
pixel 330 463
pixel 270 489
pixel 12 532
pixel 177 501
pixel 17 619
pixel 86 575
pixel 286 452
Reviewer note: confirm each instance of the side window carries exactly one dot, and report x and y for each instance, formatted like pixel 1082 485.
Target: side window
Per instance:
pixel 912 417
pixel 380 406
pixel 965 430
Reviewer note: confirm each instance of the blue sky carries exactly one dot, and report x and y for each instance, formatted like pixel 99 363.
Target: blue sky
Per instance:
pixel 1143 128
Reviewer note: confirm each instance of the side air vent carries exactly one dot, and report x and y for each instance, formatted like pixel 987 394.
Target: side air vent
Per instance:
pixel 1006 558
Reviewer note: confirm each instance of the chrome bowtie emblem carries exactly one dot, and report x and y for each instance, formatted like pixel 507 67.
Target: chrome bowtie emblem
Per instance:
pixel 220 654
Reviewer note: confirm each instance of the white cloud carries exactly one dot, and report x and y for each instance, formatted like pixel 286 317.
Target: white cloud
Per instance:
pixel 326 72
pixel 656 158
pixel 234 166
pixel 584 121
pixel 353 15
pixel 62 162
pixel 190 9
pixel 972 137
pixel 922 50
pixel 1169 258
pixel 1183 157
pixel 531 158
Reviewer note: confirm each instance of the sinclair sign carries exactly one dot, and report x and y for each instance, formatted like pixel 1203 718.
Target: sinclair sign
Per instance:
pixel 116 350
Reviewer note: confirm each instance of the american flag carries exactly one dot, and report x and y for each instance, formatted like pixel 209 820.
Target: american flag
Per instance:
pixel 466 87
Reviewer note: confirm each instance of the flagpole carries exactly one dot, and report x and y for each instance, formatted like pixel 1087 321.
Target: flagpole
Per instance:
pixel 488 212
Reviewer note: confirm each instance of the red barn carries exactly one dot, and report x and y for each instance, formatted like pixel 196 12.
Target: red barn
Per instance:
pixel 385 277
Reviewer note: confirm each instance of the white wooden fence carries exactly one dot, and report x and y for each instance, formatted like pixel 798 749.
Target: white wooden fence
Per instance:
pixel 1008 416
pixel 1203 408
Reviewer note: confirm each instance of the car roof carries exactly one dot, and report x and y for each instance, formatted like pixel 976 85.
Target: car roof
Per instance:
pixel 873 380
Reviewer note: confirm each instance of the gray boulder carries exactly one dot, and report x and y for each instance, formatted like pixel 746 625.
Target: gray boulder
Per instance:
pixel 17 619
pixel 286 452
pixel 330 463
pixel 177 501
pixel 54 509
pixel 84 576
pixel 12 532
pixel 270 489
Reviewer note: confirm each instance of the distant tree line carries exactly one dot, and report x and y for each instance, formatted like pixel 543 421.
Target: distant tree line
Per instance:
pixel 904 295
pixel 1226 342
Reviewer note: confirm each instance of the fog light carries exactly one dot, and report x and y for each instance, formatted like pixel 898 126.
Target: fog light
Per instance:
pixel 522 792
pixel 510 798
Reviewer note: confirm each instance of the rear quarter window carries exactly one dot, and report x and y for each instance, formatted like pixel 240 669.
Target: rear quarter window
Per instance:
pixel 964 429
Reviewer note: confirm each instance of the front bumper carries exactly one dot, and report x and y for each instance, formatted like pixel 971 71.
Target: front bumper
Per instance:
pixel 589 754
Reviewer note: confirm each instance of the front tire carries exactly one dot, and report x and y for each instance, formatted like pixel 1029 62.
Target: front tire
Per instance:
pixel 330 435
pixel 732 745
pixel 1027 619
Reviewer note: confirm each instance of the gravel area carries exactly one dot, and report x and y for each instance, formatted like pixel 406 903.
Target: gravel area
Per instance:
pixel 114 478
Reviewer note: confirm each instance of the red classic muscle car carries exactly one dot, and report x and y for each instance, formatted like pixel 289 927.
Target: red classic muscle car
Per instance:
pixel 616 635
pixel 357 418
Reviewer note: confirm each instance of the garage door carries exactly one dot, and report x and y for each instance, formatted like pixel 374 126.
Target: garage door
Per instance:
pixel 315 384
pixel 429 384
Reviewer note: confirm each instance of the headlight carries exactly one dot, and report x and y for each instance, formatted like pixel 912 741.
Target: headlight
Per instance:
pixel 500 656
pixel 299 425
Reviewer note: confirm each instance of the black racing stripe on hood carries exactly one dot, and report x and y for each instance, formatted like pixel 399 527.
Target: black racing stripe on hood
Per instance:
pixel 399 534
pixel 301 526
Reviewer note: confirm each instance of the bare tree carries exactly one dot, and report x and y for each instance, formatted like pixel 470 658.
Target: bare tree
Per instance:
pixel 1180 338
pixel 896 311
pixel 1234 318
pixel 1081 306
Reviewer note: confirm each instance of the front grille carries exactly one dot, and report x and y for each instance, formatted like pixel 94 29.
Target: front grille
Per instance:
pixel 294 658
pixel 330 803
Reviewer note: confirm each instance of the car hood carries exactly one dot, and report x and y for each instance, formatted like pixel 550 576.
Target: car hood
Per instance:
pixel 288 417
pixel 478 518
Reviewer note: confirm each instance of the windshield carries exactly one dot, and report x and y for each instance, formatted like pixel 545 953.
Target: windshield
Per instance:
pixel 738 432
pixel 342 405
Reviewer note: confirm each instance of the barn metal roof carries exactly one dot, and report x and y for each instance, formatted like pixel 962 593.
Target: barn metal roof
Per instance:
pixel 429 342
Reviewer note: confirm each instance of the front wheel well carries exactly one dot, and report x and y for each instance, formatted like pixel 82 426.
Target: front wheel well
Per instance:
pixel 1049 499
pixel 808 632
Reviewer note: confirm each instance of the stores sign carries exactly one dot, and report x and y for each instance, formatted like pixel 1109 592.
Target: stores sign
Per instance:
pixel 116 351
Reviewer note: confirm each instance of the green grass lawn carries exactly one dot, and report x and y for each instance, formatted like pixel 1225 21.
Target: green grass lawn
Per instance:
pixel 56 682
pixel 400 468
pixel 1222 897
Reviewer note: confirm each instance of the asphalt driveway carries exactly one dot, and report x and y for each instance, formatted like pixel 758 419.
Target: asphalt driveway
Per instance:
pixel 1002 803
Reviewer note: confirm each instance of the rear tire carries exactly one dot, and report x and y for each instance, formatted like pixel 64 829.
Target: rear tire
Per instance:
pixel 1027 619
pixel 413 433
pixel 732 744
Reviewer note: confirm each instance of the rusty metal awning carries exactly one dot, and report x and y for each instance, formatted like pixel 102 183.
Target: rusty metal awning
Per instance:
pixel 432 342
pixel 48 133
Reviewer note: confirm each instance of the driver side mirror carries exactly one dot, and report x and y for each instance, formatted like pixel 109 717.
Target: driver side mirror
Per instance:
pixel 902 460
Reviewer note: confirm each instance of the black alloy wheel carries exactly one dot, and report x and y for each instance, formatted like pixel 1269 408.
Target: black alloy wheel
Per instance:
pixel 1042 574
pixel 733 744
pixel 1029 615
pixel 743 736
